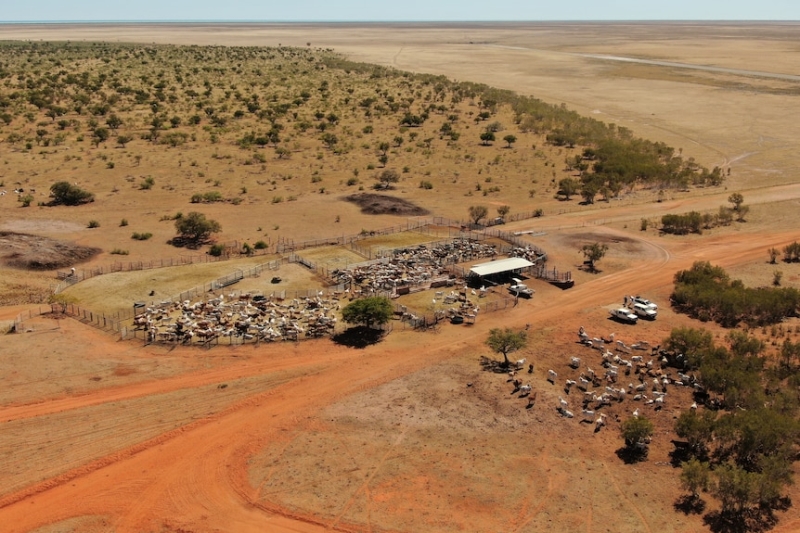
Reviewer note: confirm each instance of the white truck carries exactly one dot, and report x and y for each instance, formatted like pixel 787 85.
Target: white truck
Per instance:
pixel 643 311
pixel 634 300
pixel 520 289
pixel 624 314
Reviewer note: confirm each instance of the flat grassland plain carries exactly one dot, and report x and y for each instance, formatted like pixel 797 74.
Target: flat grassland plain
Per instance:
pixel 99 435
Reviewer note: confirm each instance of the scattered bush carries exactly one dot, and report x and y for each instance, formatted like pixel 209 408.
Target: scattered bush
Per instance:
pixel 64 193
pixel 119 251
pixel 216 250
pixel 141 236
pixel 94 224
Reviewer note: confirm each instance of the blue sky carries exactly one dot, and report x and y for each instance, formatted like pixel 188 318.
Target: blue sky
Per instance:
pixel 399 10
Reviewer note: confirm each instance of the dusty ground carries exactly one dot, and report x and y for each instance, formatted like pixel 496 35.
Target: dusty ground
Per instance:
pixel 317 437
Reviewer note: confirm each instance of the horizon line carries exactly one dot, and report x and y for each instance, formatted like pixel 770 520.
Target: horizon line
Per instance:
pixel 426 21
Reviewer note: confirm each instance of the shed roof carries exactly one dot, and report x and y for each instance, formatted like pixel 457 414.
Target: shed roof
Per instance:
pixel 503 265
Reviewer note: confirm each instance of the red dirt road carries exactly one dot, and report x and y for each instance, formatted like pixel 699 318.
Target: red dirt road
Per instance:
pixel 195 478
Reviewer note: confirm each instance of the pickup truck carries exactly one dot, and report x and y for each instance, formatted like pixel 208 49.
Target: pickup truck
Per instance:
pixel 624 314
pixel 520 289
pixel 643 311
pixel 647 303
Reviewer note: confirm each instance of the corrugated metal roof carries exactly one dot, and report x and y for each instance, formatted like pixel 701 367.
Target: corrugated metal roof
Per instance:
pixel 503 265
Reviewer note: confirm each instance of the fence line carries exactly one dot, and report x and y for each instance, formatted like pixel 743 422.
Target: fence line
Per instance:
pixel 18 324
pixel 68 278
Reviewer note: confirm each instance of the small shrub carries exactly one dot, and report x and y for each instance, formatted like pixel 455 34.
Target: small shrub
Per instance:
pixel 123 222
pixel 260 245
pixel 141 236
pixel 216 250
pixel 643 225
pixel 147 184
pixel 94 224
pixel 119 251
pixel 236 201
pixel 425 185
pixel 26 200
pixel 277 199
pixel 352 181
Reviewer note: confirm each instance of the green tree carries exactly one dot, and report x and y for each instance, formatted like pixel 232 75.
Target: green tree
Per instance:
pixel 374 310
pixel 114 122
pixel 736 199
pixel 693 343
pixel 636 430
pixel 329 139
pixel 695 476
pixel 593 253
pixel 773 255
pixel 64 193
pixel 477 212
pixel 697 429
pixel 196 228
pixel 510 139
pixel 735 488
pixel 568 187
pixel 99 135
pixel 487 137
pixel 387 177
pixel 505 341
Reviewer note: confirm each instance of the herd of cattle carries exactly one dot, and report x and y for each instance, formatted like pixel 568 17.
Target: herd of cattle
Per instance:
pixel 648 372
pixel 239 318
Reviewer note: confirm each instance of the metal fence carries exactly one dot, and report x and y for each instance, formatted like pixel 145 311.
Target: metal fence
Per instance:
pixel 70 277
pixel 18 324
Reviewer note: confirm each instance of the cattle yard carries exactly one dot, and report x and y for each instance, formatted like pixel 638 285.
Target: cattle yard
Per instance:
pixel 300 294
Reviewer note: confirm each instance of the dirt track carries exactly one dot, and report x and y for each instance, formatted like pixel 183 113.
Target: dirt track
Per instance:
pixel 196 476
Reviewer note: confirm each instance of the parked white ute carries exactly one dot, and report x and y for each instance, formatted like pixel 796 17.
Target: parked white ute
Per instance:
pixel 520 289
pixel 624 314
pixel 643 311
pixel 647 303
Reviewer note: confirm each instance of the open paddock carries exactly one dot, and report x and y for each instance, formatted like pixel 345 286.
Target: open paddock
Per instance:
pixel 331 256
pixel 383 243
pixel 294 277
pixel 116 292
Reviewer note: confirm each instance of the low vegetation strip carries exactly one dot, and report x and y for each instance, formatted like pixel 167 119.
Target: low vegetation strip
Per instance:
pixel 707 292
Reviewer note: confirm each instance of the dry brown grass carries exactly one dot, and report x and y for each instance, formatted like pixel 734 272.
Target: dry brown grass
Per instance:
pixel 435 454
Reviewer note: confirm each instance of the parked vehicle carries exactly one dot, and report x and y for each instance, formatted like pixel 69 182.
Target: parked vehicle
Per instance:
pixel 643 311
pixel 647 303
pixel 624 314
pixel 520 289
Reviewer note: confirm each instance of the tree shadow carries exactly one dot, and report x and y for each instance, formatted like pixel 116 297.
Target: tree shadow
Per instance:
pixel 185 242
pixel 689 504
pixel 358 337
pixel 631 455
pixel 493 365
pixel 755 520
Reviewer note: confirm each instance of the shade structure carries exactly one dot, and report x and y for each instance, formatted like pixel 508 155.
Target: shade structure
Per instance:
pixel 503 265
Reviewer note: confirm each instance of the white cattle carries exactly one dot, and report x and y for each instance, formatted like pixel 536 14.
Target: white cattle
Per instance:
pixel 575 362
pixel 552 376
pixel 588 415
pixel 568 414
pixel 525 389
pixel 562 403
pixel 636 413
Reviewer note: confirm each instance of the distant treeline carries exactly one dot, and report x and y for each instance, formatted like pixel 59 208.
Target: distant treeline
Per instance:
pixel 613 158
